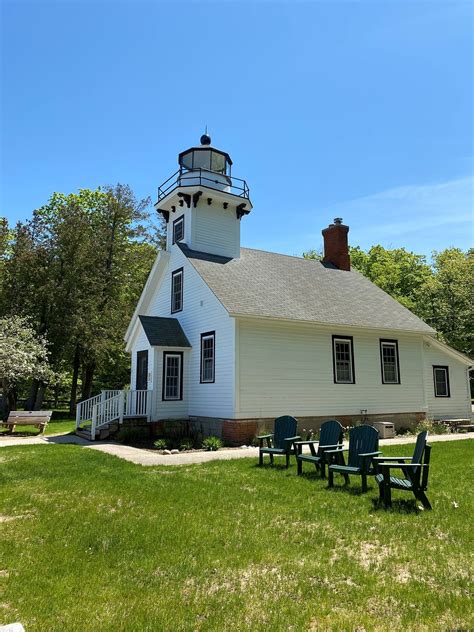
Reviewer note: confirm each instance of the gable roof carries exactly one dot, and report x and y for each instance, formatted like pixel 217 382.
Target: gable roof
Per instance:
pixel 270 285
pixel 164 332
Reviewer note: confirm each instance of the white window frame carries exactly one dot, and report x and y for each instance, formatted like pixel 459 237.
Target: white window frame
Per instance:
pixel 349 341
pixel 394 345
pixel 210 335
pixel 174 275
pixel 166 356
pixel 437 367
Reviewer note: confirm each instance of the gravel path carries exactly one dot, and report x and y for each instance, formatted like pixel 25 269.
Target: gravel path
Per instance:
pixel 146 457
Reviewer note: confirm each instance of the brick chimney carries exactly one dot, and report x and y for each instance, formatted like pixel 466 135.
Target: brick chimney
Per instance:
pixel 336 249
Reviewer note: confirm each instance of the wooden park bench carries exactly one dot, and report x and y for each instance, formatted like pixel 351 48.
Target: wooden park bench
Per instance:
pixel 38 418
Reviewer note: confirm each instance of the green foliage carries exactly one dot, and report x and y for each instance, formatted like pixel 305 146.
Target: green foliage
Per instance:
pixel 76 269
pixel 400 273
pixel 229 546
pixel 433 427
pixel 186 444
pixel 212 444
pixel 160 444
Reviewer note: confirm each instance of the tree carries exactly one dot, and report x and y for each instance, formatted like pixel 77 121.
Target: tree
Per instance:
pixel 76 270
pixel 23 355
pixel 400 273
pixel 446 300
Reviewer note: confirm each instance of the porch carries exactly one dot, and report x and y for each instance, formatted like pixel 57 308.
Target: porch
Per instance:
pixel 98 416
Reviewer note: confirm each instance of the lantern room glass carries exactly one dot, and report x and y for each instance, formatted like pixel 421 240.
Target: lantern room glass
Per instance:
pixel 208 159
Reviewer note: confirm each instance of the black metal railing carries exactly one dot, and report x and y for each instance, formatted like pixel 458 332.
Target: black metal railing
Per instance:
pixel 205 178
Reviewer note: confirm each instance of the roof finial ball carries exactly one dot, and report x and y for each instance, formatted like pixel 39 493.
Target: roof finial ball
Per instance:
pixel 205 139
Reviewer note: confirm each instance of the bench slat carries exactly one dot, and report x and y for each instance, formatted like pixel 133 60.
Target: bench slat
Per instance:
pixel 14 414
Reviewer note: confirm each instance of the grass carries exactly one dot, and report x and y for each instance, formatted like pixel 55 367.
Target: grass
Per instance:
pixel 91 542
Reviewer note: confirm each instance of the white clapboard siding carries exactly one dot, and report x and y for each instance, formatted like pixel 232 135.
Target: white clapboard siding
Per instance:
pixel 288 368
pixel 459 403
pixel 216 231
pixel 202 312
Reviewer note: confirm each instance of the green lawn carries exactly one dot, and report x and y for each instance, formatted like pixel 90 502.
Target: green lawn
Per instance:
pixel 91 542
pixel 63 424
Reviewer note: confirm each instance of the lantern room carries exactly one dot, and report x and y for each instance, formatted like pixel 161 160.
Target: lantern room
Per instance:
pixel 205 157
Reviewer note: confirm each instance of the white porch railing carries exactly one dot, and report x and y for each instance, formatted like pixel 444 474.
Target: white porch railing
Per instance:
pixel 112 406
pixel 106 411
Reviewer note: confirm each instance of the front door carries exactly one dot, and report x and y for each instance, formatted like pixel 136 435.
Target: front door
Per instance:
pixel 142 370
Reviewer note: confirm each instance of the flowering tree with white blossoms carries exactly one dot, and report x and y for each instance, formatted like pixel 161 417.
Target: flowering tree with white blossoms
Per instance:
pixel 23 356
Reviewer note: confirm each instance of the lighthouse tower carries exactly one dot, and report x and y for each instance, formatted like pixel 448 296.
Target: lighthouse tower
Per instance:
pixel 202 203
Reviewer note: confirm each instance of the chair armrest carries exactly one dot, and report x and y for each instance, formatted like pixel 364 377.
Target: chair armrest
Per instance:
pixel 292 439
pixel 369 453
pixel 392 458
pixel 308 442
pixel 336 451
pixel 267 436
pixel 401 466
pixel 336 446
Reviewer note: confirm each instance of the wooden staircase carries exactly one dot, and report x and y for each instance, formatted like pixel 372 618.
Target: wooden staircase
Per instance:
pixel 104 432
pixel 101 416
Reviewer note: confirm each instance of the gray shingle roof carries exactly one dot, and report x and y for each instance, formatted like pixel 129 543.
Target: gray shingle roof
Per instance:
pixel 266 284
pixel 164 332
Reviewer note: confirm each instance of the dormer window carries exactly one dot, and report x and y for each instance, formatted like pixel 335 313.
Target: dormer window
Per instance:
pixel 178 229
pixel 177 291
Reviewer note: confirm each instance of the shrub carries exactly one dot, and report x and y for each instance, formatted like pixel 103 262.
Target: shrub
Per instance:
pixel 433 427
pixel 212 444
pixel 186 444
pixel 160 444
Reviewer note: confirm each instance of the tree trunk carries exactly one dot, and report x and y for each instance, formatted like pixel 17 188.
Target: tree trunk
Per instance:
pixel 9 397
pixel 30 402
pixel 75 375
pixel 56 395
pixel 40 396
pixel 88 377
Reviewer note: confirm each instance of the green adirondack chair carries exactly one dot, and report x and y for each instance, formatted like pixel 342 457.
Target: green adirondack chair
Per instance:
pixel 281 441
pixel 363 447
pixel 330 438
pixel 414 468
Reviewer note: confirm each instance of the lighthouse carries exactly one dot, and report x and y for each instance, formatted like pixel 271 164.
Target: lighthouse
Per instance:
pixel 203 203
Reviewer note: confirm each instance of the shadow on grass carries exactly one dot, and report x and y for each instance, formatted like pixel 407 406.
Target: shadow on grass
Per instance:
pixel 398 506
pixel 22 433
pixel 347 489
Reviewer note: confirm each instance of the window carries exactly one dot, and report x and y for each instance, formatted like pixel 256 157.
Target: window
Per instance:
pixel 389 362
pixel 343 359
pixel 441 381
pixel 172 376
pixel 208 357
pixel 178 229
pixel 177 291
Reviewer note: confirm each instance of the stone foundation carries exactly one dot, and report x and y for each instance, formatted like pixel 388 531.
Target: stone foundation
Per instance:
pixel 243 431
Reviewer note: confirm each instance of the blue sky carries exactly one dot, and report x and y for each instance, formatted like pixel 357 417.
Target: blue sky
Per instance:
pixel 355 109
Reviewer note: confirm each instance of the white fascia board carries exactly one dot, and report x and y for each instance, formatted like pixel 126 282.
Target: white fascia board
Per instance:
pixel 147 292
pixel 442 346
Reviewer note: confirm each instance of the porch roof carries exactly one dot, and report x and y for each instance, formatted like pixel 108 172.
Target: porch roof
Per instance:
pixel 164 332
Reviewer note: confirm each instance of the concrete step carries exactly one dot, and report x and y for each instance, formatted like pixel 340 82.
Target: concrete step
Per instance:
pixel 85 433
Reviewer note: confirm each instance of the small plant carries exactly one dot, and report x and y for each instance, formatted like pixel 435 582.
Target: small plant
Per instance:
pixel 212 444
pixel 186 444
pixel 433 427
pixel 310 434
pixel 160 444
